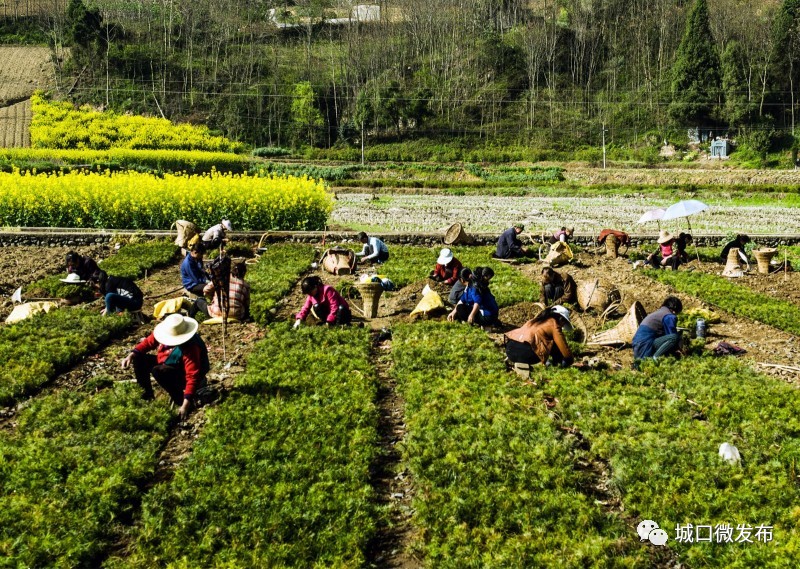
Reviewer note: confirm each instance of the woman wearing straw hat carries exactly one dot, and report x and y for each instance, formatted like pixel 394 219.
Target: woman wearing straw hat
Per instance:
pixel 447 269
pixel 214 237
pixel 661 257
pixel 179 365
pixel 541 339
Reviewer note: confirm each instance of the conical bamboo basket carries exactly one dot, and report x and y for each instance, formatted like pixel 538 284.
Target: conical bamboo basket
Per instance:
pixel 560 254
pixel 612 246
pixel 455 234
pixel 624 331
pixel 763 257
pixel 591 294
pixel 732 267
pixel 370 295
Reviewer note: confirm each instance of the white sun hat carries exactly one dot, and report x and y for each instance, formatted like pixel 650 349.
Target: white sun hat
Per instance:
pixel 73 278
pixel 175 330
pixel 445 256
pixel 564 313
pixel 227 225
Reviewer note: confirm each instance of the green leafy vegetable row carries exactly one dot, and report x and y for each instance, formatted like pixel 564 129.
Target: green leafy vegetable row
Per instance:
pixel 34 350
pixel 70 473
pixel 280 475
pixel 274 275
pixel 734 298
pixel 660 431
pixel 496 484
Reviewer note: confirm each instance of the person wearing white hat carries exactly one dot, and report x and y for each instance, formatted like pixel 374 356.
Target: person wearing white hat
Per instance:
pixel 179 365
pixel 541 339
pixel 447 268
pixel 664 254
pixel 214 237
pixel 80 265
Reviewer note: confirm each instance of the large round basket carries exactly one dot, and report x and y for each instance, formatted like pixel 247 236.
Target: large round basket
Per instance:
pixel 732 267
pixel 339 261
pixel 763 257
pixel 455 234
pixel 612 246
pixel 624 331
pixel 370 295
pixel 591 294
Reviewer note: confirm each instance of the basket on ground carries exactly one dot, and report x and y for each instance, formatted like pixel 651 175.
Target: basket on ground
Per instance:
pixel 559 254
pixel 732 267
pixel 370 295
pixel 456 235
pixel 764 257
pixel 624 331
pixel 338 261
pixel 591 294
pixel 612 246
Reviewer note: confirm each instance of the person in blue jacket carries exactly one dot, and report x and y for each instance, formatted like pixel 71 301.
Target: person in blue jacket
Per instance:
pixel 193 275
pixel 477 304
pixel 509 246
pixel 658 334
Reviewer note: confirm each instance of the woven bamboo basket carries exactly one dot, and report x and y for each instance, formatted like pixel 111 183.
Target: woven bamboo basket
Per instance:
pixel 455 234
pixel 612 246
pixel 732 267
pixel 339 261
pixel 763 257
pixel 624 331
pixel 370 295
pixel 591 294
pixel 560 254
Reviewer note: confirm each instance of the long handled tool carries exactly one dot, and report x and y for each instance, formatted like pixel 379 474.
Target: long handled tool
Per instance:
pixel 16 298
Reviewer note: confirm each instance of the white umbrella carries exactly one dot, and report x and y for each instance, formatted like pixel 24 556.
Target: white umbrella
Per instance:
pixel 685 208
pixel 653 215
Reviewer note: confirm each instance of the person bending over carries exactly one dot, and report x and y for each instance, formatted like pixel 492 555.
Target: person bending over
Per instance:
pixel 324 303
pixel 541 339
pixel 658 335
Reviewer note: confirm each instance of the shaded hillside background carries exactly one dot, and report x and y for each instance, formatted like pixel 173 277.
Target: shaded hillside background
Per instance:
pixel 322 74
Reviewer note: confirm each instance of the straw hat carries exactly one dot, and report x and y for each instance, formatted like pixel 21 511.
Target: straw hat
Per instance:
pixel 445 256
pixel 564 313
pixel 664 236
pixel 175 330
pixel 227 225
pixel 73 278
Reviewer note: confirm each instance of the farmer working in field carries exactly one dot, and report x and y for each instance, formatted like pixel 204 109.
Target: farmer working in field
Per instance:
pixel 120 294
pixel 623 238
pixel 477 304
pixel 679 255
pixel 238 297
pixel 193 274
pixel 81 265
pixel 563 235
pixel 324 303
pixel 658 333
pixel 214 237
pixel 447 269
pixel 179 365
pixel 738 242
pixel 374 250
pixel 460 286
pixel 557 288
pixel 663 255
pixel 509 246
pixel 541 339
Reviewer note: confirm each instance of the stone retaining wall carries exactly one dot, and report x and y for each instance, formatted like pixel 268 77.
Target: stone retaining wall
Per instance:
pixel 76 238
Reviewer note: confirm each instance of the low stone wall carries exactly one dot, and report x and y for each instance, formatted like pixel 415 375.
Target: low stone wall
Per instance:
pixel 77 238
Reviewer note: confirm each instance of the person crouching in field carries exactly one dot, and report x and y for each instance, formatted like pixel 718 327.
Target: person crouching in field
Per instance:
pixel 214 237
pixel 541 339
pixel 658 334
pixel 120 294
pixel 81 265
pixel 460 286
pixel 179 365
pixel 374 250
pixel 508 244
pixel 323 302
pixel 557 288
pixel 238 297
pixel 447 269
pixel 193 275
pixel 663 256
pixel 477 304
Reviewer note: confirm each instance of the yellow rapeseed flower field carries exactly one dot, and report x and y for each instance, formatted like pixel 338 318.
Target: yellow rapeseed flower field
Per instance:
pixel 130 200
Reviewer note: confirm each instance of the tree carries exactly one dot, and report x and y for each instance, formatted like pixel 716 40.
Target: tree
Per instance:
pixel 306 117
pixel 85 27
pixel 738 108
pixel 696 72
pixel 786 42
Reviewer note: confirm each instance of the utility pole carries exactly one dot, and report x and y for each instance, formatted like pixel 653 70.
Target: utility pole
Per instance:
pixel 604 146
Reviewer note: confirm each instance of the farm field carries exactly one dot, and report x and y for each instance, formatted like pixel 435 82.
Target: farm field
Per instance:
pixel 22 71
pixel 546 472
pixel 15 125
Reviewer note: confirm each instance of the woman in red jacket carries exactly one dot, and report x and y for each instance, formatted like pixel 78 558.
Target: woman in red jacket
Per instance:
pixel 324 302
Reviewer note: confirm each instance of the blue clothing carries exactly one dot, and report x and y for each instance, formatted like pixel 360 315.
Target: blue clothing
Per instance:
pixel 119 303
pixel 192 272
pixel 508 244
pixel 660 323
pixel 486 302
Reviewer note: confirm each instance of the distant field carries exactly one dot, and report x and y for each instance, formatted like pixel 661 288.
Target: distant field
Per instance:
pixel 15 125
pixel 22 71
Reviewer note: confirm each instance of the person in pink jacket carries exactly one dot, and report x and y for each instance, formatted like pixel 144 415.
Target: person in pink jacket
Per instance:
pixel 324 303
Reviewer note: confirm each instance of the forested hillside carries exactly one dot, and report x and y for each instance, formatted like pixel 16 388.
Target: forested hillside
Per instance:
pixel 547 73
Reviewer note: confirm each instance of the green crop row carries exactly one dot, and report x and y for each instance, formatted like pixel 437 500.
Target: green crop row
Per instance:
pixel 58 124
pixel 496 485
pixel 130 262
pixel 34 350
pixel 71 472
pixel 280 475
pixel 660 432
pixel 734 298
pixel 274 275
pixel 122 159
